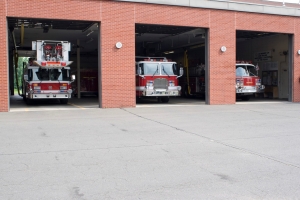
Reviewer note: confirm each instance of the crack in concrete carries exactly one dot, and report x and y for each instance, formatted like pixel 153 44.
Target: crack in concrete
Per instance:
pixel 219 142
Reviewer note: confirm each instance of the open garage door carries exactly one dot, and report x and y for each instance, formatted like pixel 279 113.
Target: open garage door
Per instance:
pixel 263 65
pixel 53 42
pixel 161 52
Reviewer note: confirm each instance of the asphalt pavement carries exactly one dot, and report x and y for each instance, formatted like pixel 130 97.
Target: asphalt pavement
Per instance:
pixel 249 150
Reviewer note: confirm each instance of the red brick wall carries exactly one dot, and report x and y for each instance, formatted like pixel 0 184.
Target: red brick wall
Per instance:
pixel 171 15
pixel 4 98
pixel 222 64
pixel 118 65
pixel 118 24
pixel 296 75
pixel 263 22
pixel 89 10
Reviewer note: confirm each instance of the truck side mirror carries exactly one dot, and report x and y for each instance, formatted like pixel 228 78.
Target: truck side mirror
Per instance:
pixel 26 77
pixel 73 77
pixel 139 71
pixel 181 71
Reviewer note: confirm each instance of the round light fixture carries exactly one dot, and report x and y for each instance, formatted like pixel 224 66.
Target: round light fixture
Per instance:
pixel 298 52
pixel 119 45
pixel 223 48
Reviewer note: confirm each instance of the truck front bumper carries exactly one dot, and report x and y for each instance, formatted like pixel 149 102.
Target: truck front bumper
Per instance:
pixel 248 90
pixel 151 92
pixel 49 95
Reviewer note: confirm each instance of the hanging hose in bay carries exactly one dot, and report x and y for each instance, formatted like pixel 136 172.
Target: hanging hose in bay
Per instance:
pixel 186 64
pixel 16 59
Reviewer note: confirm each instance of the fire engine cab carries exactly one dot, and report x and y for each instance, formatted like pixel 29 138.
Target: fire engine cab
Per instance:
pixel 48 77
pixel 157 77
pixel 247 80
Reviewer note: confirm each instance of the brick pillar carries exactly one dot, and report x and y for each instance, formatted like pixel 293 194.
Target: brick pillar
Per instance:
pixel 296 67
pixel 221 64
pixel 4 95
pixel 117 66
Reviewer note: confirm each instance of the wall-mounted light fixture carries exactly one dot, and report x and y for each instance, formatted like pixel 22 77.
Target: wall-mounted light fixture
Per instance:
pixel 298 52
pixel 119 45
pixel 223 48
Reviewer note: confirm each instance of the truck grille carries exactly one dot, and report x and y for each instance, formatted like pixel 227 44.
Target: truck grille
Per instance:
pixel 160 83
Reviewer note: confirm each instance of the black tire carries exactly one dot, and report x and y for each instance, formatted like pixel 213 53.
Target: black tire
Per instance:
pixel 24 98
pixel 63 101
pixel 245 98
pixel 138 100
pixel 165 99
pixel 29 101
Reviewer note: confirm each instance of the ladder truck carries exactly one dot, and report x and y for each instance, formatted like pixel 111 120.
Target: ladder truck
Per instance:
pixel 47 76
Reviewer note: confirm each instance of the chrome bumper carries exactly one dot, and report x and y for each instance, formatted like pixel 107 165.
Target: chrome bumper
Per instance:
pixel 250 89
pixel 49 95
pixel 150 91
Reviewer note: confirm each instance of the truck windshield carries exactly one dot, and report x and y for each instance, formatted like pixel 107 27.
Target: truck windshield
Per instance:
pixel 40 74
pixel 158 69
pixel 168 69
pixel 245 70
pixel 150 69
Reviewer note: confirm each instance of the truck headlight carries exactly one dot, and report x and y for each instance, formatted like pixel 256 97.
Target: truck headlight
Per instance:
pixel 149 83
pixel 171 83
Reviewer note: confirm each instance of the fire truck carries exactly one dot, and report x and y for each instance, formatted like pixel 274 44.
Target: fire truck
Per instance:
pixel 48 75
pixel 247 81
pixel 157 77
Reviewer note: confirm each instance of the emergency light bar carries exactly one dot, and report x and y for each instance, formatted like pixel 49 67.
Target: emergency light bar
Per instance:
pixel 156 59
pixel 161 59
pixel 52 63
pixel 244 62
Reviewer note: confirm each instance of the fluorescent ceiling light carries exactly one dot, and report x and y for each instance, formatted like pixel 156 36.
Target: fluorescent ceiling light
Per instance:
pixel 89 33
pixel 168 52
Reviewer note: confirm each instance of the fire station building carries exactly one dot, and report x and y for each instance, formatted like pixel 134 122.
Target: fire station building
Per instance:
pixel 216 33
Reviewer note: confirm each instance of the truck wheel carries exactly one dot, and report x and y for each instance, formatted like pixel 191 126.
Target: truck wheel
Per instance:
pixel 29 101
pixel 138 100
pixel 165 99
pixel 63 101
pixel 246 98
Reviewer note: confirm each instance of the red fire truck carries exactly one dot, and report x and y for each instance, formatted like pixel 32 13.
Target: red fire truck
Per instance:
pixel 157 77
pixel 48 76
pixel 247 81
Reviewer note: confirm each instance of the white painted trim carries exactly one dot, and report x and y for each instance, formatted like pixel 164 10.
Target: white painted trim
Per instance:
pixel 226 5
